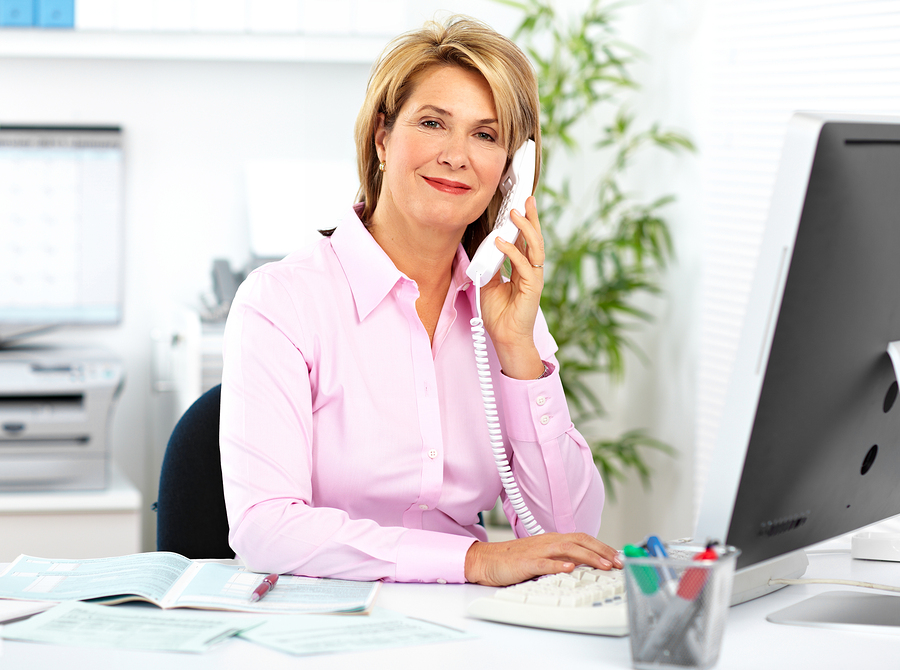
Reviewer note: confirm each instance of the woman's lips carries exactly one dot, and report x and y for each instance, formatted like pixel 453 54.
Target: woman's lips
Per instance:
pixel 447 186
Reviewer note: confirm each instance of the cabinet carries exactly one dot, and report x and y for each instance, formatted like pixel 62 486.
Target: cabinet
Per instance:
pixel 72 524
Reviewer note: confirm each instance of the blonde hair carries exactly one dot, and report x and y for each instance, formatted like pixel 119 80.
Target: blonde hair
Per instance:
pixel 460 42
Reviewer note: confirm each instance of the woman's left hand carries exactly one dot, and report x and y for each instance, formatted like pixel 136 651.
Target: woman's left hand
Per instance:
pixel 510 308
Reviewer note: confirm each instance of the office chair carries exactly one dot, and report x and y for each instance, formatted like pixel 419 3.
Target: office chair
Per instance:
pixel 191 516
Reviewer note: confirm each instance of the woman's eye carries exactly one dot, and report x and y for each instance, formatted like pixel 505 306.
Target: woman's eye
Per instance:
pixel 486 136
pixel 431 124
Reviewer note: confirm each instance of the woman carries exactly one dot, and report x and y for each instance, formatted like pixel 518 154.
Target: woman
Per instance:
pixel 353 436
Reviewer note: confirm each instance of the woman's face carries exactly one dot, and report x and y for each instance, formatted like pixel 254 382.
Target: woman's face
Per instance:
pixel 444 155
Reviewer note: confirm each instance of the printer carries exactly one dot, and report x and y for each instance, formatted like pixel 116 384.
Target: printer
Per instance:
pixel 56 407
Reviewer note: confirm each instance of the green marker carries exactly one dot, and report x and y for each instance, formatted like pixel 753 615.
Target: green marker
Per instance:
pixel 646 577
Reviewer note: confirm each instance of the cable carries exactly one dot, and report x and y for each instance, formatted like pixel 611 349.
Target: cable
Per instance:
pixel 842 582
pixel 490 410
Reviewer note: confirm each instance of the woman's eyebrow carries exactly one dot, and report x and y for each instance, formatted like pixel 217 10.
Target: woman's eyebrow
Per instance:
pixel 444 112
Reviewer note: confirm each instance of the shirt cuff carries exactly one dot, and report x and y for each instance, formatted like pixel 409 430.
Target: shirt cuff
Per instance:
pixel 429 556
pixel 535 410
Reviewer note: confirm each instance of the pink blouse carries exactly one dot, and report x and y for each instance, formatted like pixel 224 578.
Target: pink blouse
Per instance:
pixel 354 447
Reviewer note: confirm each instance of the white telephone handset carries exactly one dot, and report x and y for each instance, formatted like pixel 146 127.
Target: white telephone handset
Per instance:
pixel 516 186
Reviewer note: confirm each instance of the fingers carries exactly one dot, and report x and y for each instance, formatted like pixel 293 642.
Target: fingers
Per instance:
pixel 583 549
pixel 529 247
pixel 504 563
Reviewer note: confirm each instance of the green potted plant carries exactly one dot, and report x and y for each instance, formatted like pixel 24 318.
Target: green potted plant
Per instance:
pixel 605 248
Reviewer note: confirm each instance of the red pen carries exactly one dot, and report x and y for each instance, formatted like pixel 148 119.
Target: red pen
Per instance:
pixel 266 585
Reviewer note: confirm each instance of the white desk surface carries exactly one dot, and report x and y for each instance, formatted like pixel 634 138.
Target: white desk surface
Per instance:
pixel 750 641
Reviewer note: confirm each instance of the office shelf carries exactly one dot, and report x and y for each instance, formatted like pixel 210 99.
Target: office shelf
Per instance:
pixel 248 47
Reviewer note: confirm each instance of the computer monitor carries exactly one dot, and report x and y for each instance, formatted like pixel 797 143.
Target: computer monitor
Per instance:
pixel 61 217
pixel 809 442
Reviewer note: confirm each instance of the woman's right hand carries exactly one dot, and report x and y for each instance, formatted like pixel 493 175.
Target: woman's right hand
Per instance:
pixel 514 561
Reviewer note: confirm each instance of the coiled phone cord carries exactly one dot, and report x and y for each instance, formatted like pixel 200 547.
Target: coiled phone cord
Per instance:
pixel 494 433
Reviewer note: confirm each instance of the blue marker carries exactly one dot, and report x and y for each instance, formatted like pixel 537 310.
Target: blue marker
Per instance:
pixel 656 548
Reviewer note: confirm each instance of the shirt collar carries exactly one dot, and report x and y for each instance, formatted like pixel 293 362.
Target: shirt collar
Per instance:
pixel 371 273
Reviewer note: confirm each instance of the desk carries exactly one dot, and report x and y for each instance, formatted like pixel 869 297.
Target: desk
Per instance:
pixel 750 641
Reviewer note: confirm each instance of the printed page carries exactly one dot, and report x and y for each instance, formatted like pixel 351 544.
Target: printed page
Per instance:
pixel 149 629
pixel 382 629
pixel 142 576
pixel 216 586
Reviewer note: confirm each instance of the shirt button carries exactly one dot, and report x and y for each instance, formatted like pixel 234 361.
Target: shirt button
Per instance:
pixel 442 581
pixel 540 400
pixel 432 453
pixel 423 506
pixel 545 420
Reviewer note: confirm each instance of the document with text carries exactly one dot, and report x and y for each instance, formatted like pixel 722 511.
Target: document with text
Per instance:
pixel 87 625
pixel 170 580
pixel 312 635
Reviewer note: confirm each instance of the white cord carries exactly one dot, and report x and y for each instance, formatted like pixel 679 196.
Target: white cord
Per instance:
pixel 490 410
pixel 842 582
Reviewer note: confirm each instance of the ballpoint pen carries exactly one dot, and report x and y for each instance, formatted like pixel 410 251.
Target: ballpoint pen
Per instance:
pixel 266 585
pixel 656 548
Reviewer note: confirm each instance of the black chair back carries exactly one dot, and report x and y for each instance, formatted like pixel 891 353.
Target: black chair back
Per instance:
pixel 191 518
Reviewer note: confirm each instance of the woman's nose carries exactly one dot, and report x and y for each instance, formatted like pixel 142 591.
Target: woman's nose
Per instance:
pixel 454 152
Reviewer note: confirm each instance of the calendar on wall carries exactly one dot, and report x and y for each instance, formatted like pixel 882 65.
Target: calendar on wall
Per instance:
pixel 61 217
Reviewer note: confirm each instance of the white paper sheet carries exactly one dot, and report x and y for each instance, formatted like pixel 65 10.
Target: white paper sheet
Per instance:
pixel 309 634
pixel 10 610
pixel 134 627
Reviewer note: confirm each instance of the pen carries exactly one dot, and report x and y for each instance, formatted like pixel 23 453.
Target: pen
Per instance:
pixel 656 548
pixel 266 585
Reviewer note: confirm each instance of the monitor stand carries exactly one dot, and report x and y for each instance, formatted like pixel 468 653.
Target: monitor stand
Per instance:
pixel 864 612
pixel 753 581
pixel 847 610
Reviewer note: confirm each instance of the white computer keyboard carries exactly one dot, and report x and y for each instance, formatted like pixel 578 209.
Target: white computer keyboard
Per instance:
pixel 583 601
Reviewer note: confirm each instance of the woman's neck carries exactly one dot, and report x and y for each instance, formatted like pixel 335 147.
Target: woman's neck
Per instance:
pixel 424 255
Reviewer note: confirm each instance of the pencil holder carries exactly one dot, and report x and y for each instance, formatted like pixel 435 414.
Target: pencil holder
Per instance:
pixel 677 606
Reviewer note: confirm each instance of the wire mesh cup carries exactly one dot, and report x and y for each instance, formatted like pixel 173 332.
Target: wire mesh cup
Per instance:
pixel 677 606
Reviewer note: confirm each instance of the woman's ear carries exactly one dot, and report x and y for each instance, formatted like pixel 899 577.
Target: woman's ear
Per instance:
pixel 381 134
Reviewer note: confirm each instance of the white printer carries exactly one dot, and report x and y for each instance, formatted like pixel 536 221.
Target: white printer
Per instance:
pixel 56 406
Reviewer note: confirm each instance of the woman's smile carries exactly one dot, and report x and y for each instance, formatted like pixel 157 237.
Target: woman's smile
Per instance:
pixel 447 185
